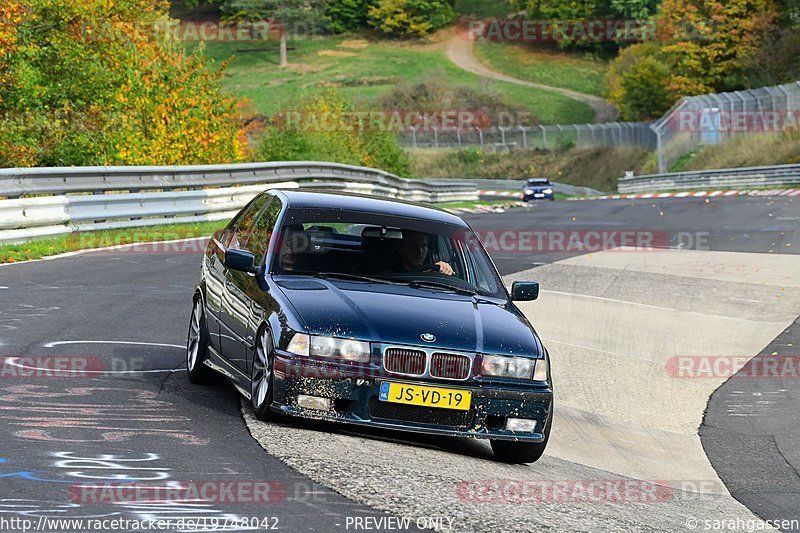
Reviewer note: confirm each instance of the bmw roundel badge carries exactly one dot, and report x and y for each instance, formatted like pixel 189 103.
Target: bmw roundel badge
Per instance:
pixel 428 337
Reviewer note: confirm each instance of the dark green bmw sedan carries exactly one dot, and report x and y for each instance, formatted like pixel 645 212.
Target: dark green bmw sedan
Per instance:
pixel 368 311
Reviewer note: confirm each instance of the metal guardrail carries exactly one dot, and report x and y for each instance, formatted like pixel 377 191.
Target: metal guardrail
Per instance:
pixel 53 201
pixel 16 182
pixel 751 177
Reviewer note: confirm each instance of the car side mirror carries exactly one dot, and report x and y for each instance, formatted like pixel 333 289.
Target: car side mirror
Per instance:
pixel 524 291
pixel 240 260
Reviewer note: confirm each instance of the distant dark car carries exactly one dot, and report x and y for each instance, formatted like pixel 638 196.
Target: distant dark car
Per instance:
pixel 538 189
pixel 373 312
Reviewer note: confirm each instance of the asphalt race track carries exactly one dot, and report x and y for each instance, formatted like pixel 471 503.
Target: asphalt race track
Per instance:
pixel 724 281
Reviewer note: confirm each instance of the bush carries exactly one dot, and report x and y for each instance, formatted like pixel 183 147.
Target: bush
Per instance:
pixel 345 16
pixel 410 18
pixel 638 83
pixel 322 130
pixel 488 107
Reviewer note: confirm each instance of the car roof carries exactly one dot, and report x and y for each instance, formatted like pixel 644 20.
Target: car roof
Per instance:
pixel 368 204
pixel 538 180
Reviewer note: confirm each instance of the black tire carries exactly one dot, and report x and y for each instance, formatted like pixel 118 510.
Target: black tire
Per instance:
pixel 197 349
pixel 522 452
pixel 262 378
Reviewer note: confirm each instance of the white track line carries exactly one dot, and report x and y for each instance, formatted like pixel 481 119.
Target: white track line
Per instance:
pixel 60 343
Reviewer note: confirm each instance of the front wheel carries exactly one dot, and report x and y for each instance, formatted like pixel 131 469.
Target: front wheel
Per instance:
pixel 522 452
pixel 261 378
pixel 197 349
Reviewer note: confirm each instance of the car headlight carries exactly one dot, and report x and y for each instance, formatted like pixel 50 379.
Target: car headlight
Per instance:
pixel 514 367
pixel 548 191
pixel 329 347
pixel 528 191
pixel 507 367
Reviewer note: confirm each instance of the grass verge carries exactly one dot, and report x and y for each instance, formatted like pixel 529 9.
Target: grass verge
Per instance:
pixel 363 71
pixel 71 242
pixel 542 64
pixel 746 150
pixel 473 203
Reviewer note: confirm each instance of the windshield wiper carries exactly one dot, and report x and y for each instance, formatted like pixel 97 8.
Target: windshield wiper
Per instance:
pixel 424 284
pixel 352 277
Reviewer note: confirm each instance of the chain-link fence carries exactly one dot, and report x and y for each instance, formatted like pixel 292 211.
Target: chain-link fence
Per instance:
pixel 715 118
pixel 693 122
pixel 545 137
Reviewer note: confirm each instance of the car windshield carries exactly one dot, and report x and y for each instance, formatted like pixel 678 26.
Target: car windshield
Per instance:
pixel 538 182
pixel 356 246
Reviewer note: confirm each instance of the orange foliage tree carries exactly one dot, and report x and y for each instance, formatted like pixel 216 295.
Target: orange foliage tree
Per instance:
pixel 707 42
pixel 98 82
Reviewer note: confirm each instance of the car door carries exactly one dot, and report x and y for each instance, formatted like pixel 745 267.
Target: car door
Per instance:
pixel 214 275
pixel 241 312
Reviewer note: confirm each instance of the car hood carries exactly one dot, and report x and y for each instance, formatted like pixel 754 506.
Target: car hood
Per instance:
pixel 394 314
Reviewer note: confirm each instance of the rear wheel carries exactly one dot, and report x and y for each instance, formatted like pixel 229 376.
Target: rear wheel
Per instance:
pixel 522 452
pixel 197 349
pixel 261 378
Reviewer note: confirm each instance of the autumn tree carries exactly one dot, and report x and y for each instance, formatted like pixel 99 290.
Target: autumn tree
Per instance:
pixel 562 12
pixel 287 14
pixel 97 82
pixel 410 18
pixel 708 42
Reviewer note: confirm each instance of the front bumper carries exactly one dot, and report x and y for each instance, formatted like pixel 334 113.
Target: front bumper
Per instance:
pixel 354 396
pixel 538 195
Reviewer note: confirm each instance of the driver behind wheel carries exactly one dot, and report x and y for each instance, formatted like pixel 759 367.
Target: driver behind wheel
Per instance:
pixel 413 251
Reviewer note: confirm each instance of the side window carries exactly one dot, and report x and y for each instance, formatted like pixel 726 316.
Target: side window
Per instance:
pixel 258 240
pixel 238 235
